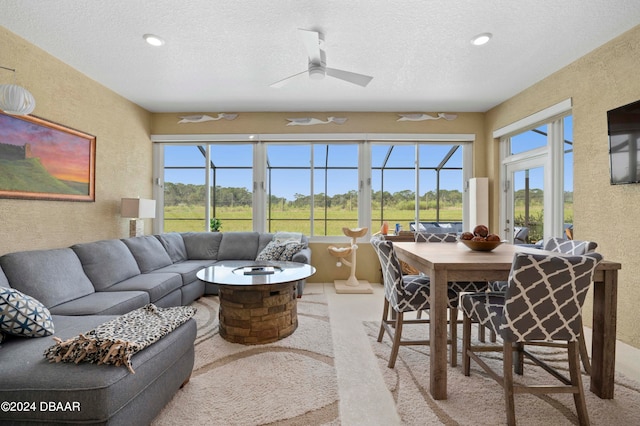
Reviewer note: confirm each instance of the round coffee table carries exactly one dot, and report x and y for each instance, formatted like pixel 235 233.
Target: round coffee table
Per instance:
pixel 258 299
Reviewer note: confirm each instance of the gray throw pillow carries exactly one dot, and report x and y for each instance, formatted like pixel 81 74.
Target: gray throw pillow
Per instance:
pixel 272 251
pixel 290 250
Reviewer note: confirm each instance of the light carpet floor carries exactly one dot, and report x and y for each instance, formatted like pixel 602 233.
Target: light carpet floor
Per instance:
pixel 478 399
pixel 289 382
pixel 294 381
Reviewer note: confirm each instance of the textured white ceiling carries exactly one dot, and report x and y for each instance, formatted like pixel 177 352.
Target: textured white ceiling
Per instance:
pixel 222 55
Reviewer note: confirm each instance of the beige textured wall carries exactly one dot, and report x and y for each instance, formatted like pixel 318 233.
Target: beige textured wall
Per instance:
pixel 357 122
pixel 604 79
pixel 123 153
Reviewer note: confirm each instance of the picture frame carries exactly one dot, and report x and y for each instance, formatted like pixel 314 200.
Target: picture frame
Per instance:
pixel 42 160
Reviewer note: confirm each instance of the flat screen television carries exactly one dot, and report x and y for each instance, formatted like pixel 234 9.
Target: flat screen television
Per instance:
pixel 624 143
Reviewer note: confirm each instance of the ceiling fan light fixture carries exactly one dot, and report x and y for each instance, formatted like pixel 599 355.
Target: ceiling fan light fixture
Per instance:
pixel 481 39
pixel 153 40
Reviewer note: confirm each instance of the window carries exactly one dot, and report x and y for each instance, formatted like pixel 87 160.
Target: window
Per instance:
pixel 312 188
pixel 229 182
pixel 537 173
pixel 316 187
pixel 395 192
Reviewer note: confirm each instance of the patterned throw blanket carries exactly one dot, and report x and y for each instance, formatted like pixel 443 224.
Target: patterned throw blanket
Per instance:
pixel 116 341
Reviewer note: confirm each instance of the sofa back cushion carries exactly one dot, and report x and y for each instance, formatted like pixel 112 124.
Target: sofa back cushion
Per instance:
pixel 106 262
pixel 239 246
pixel 148 252
pixel 174 245
pixel 202 245
pixel 50 276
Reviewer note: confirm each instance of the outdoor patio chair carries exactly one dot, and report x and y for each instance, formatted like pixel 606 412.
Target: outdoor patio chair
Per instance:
pixel 542 303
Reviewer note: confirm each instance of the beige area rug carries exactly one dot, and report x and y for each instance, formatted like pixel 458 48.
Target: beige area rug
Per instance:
pixel 289 382
pixel 478 399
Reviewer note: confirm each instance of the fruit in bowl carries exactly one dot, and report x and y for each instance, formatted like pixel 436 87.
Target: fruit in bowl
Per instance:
pixel 480 239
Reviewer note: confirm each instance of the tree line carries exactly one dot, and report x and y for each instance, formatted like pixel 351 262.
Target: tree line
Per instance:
pixel 191 194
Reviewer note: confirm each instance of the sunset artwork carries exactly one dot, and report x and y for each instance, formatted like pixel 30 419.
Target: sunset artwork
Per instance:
pixel 44 160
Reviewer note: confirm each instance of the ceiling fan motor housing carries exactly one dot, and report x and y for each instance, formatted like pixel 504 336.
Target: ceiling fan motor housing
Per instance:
pixel 316 72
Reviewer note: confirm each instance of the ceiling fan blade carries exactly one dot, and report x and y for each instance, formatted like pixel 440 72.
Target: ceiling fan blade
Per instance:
pixel 351 77
pixel 280 83
pixel 311 40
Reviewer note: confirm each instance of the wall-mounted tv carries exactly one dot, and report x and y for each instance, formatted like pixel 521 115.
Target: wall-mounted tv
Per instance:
pixel 624 143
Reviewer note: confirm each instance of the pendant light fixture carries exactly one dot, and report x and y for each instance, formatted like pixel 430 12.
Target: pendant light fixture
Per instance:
pixel 14 99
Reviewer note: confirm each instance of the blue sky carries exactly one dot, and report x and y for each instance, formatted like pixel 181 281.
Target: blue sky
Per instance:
pixel 286 183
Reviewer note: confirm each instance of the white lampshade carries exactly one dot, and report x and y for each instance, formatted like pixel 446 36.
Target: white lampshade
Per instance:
pixel 16 100
pixel 138 208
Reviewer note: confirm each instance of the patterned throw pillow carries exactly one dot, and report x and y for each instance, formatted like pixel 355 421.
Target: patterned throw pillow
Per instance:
pixel 290 250
pixel 272 251
pixel 23 315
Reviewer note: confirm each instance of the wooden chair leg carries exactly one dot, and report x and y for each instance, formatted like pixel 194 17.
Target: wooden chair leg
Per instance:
pixel 576 380
pixel 385 314
pixel 397 336
pixel 507 382
pixel 584 355
pixel 466 345
pixel 453 326
pixel 518 363
pixel 481 333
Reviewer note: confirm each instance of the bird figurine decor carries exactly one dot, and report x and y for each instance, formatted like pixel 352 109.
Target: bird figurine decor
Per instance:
pixel 306 121
pixel 202 118
pixel 422 117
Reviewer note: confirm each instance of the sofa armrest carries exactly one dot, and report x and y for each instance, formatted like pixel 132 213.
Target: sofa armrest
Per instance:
pixel 303 256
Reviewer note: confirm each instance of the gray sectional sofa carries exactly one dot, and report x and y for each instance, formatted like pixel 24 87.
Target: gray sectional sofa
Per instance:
pixel 88 284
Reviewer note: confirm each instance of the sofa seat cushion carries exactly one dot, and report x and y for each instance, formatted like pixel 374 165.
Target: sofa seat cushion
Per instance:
pixel 187 269
pixel 148 252
pixel 202 245
pixel 239 246
pixel 103 303
pixel 106 262
pixel 51 276
pixel 22 315
pixel 101 391
pixel 174 245
pixel 156 284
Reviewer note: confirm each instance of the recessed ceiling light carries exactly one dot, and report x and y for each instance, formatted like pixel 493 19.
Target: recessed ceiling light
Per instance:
pixel 153 40
pixel 481 39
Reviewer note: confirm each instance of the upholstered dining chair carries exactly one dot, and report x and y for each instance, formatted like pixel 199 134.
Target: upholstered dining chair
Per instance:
pixel 455 288
pixel 571 247
pixel 543 302
pixel 402 294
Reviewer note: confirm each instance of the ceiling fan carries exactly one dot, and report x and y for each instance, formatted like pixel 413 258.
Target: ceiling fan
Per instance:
pixel 317 69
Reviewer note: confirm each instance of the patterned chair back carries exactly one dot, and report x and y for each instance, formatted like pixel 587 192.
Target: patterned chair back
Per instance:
pixel 427 237
pixel 573 247
pixel 391 272
pixel 544 296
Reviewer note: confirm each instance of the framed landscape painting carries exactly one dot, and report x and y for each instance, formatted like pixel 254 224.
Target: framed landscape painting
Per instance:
pixel 45 161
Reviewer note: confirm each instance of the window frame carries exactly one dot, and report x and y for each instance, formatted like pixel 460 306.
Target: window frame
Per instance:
pixel 260 142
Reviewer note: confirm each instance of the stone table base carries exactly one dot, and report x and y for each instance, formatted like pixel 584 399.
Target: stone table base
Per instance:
pixel 257 314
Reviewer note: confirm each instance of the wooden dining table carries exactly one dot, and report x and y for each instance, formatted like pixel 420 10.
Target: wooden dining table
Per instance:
pixel 455 262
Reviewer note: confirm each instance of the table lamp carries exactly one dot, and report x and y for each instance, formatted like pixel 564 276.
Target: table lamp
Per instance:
pixel 137 209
